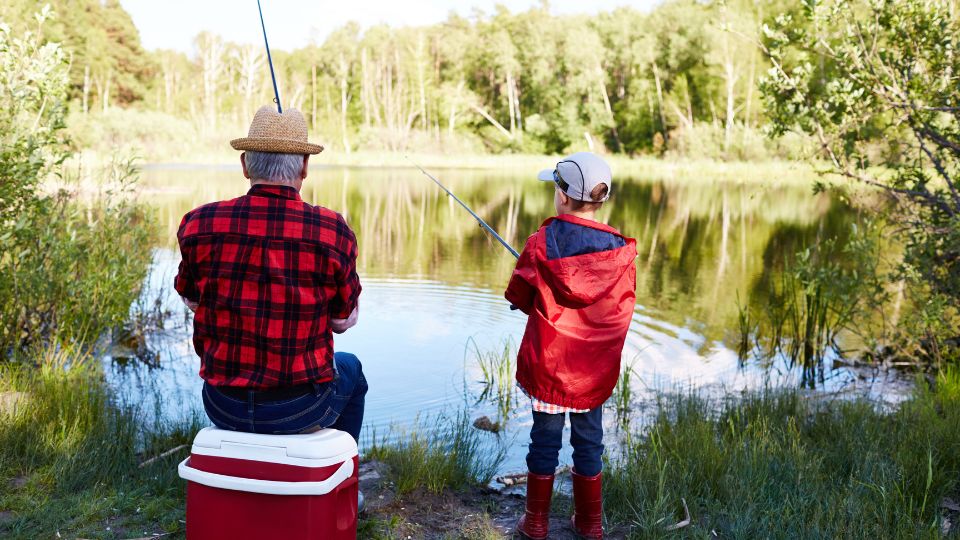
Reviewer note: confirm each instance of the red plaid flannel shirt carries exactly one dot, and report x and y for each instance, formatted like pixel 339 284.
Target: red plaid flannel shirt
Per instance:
pixel 268 271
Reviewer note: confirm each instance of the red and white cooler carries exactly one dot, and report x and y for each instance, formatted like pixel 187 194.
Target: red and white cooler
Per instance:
pixel 249 485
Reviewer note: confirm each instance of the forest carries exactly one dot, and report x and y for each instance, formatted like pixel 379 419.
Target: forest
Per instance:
pixel 682 78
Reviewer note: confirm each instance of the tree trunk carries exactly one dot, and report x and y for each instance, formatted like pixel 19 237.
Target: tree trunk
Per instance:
pixel 451 126
pixel 748 113
pixel 420 79
pixel 731 80
pixel 364 88
pixel 343 104
pixel 313 98
pixel 516 107
pixel 86 89
pixel 106 93
pixel 493 121
pixel 609 108
pixel 663 122
pixel 513 125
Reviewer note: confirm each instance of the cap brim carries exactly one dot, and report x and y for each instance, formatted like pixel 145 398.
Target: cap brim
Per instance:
pixel 545 175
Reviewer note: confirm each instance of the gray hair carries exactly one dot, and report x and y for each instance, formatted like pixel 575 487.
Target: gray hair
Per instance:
pixel 273 167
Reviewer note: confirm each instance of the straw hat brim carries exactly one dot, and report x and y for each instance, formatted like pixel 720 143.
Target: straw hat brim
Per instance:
pixel 276 146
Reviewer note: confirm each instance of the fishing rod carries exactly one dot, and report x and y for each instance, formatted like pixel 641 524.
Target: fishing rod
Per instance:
pixel 276 92
pixel 467 208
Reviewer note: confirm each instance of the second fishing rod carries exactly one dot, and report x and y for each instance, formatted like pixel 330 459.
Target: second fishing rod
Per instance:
pixel 480 220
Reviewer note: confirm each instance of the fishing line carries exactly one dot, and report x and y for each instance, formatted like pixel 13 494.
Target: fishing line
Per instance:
pixel 276 93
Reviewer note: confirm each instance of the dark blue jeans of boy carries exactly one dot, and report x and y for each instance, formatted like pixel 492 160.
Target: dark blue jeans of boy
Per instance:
pixel 586 437
pixel 337 404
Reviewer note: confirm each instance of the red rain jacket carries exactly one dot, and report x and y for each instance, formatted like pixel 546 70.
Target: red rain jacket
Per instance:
pixel 579 308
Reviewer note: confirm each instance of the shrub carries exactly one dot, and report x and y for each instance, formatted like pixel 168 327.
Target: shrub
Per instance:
pixel 69 267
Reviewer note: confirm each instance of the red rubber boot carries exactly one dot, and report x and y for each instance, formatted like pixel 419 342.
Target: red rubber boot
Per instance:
pixel 535 523
pixel 587 519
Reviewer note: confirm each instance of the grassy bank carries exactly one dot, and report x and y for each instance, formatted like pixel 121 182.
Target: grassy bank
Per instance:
pixel 775 464
pixel 779 465
pixel 446 454
pixel 768 465
pixel 70 457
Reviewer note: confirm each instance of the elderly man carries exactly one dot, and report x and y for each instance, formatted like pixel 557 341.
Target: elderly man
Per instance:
pixel 270 279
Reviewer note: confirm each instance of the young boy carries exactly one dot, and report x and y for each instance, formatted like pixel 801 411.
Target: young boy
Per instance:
pixel 576 280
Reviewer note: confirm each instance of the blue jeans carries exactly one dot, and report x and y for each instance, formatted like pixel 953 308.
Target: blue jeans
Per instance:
pixel 586 437
pixel 337 404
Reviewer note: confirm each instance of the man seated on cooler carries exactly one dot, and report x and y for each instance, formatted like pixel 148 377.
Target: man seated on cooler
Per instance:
pixel 270 279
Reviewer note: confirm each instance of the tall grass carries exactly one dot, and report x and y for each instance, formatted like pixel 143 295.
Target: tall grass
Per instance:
pixel 70 456
pixel 778 465
pixel 622 398
pixel 450 454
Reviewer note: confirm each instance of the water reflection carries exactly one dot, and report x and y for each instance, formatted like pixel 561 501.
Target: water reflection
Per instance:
pixel 433 280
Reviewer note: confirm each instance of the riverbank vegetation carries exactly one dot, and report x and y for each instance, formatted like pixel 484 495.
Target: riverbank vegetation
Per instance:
pixel 75 464
pixel 71 268
pixel 70 265
pixel 884 112
pixel 445 453
pixel 781 464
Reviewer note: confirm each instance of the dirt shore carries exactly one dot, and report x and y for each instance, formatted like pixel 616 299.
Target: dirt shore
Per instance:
pixel 479 513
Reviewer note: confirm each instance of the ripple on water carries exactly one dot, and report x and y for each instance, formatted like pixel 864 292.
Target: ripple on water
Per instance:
pixel 413 341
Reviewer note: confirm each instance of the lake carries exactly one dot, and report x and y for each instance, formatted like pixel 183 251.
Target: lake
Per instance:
pixel 433 289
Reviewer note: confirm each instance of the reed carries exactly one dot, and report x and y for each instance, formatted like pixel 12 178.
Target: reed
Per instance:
pixel 622 398
pixel 825 291
pixel 497 376
pixel 746 329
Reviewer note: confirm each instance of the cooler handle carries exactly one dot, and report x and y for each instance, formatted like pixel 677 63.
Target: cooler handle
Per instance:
pixel 267 487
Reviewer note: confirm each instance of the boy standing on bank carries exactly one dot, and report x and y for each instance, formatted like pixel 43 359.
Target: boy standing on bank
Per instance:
pixel 576 280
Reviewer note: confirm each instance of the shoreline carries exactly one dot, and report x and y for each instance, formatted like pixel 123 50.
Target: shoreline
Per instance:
pixel 774 172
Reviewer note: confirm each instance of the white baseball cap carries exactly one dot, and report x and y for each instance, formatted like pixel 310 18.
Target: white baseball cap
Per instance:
pixel 578 174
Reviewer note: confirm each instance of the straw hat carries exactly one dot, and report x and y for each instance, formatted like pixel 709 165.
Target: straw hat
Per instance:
pixel 271 131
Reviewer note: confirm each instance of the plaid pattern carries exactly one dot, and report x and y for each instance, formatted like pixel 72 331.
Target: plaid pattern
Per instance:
pixel 548 408
pixel 269 271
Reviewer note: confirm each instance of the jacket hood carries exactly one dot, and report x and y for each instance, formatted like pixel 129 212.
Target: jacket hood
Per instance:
pixel 582 280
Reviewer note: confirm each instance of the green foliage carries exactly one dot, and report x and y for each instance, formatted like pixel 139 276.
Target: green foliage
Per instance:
pixel 529 82
pixel 33 78
pixel 781 465
pixel 107 63
pixel 874 83
pixel 70 264
pixel 449 454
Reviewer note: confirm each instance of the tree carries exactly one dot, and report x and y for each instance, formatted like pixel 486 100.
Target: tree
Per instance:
pixel 876 85
pixel 211 55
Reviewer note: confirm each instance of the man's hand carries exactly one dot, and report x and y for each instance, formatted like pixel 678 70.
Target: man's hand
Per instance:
pixel 191 304
pixel 340 326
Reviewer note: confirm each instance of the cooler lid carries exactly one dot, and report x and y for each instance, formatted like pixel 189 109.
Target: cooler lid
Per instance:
pixel 318 449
